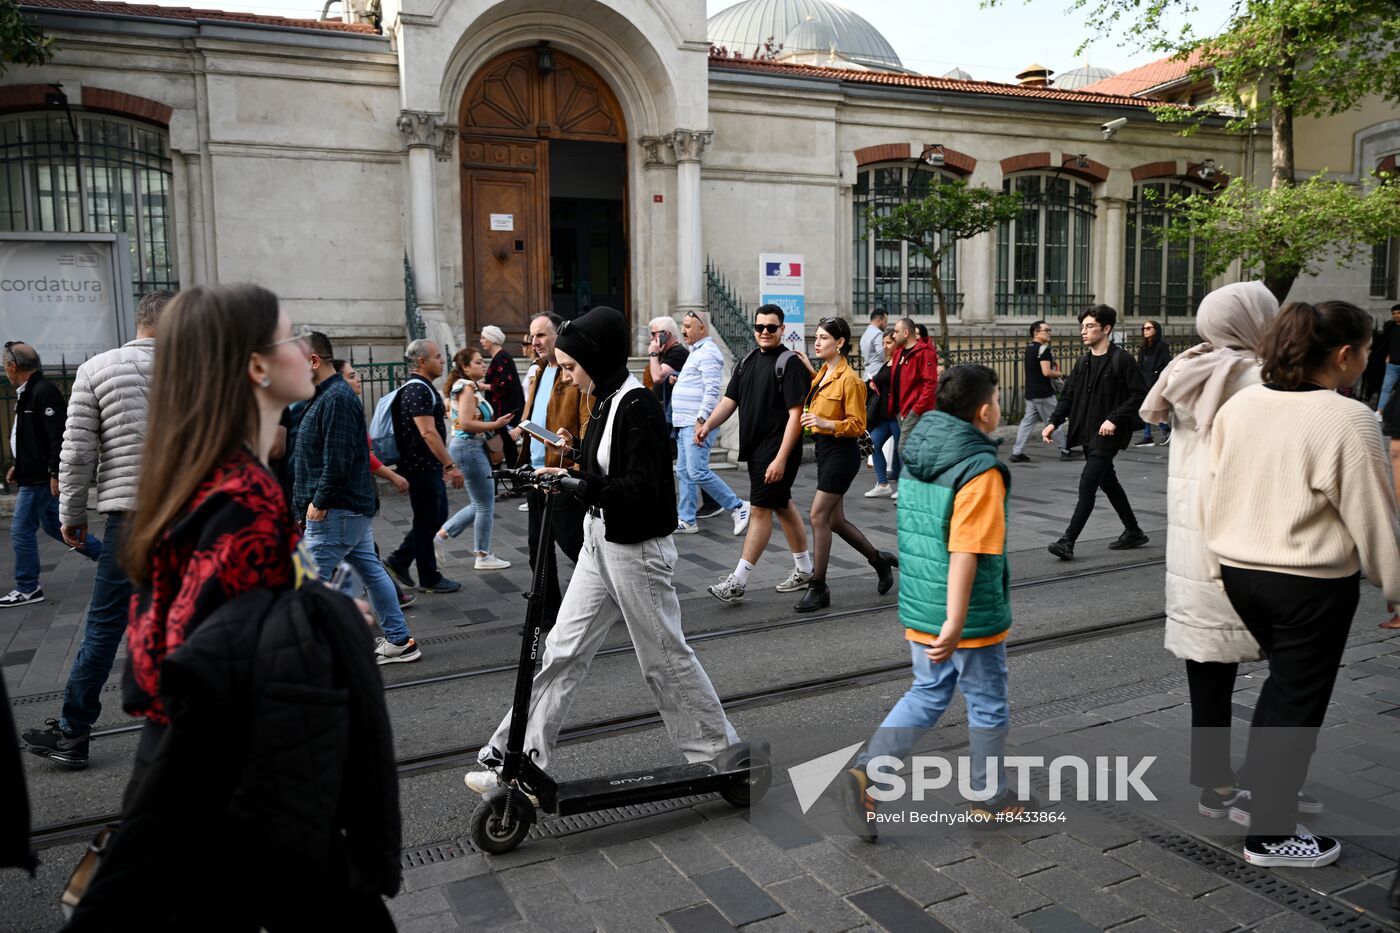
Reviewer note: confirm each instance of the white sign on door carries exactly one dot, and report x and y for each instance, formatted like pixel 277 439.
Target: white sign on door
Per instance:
pixel 66 294
pixel 505 222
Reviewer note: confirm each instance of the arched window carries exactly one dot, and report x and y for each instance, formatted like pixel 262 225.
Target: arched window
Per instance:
pixel 890 273
pixel 1043 255
pixel 1162 278
pixel 115 179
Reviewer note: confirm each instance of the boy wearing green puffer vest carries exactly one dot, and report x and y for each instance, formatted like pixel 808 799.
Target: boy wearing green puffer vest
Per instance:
pixel 954 593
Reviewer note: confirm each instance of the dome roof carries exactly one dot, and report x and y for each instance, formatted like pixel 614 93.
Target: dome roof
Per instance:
pixel 957 74
pixel 1076 78
pixel 744 27
pixel 811 36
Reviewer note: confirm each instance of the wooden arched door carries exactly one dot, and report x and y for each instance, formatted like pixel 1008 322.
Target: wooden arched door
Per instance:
pixel 525 232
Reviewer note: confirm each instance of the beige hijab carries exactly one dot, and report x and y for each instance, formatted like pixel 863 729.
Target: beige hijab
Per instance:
pixel 1232 322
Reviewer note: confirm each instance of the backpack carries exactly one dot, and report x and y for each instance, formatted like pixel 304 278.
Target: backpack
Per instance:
pixel 381 428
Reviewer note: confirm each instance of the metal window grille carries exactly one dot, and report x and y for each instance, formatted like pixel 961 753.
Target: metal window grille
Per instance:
pixel 1383 268
pixel 1043 255
pixel 1163 278
pixel 115 178
pixel 888 273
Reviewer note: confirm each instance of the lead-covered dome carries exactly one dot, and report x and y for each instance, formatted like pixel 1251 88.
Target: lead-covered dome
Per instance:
pixel 1076 78
pixel 744 27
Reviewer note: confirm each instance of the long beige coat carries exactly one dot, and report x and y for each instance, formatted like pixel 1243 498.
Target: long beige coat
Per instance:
pixel 1201 623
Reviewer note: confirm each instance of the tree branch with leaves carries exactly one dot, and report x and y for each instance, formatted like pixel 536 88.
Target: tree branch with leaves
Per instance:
pixel 22 42
pixel 932 226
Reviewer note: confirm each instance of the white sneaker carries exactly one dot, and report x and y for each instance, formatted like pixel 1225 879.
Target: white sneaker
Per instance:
pixel 727 590
pixel 386 652
pixel 894 497
pixel 16 598
pixel 797 580
pixel 490 562
pixel 880 491
pixel 741 519
pixel 524 507
pixel 686 528
pixel 483 782
pixel 440 545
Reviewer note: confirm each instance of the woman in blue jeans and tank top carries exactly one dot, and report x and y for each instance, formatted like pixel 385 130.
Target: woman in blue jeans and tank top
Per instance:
pixel 473 425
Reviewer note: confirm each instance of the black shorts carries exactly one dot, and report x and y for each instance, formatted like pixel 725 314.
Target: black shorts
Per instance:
pixel 773 495
pixel 838 462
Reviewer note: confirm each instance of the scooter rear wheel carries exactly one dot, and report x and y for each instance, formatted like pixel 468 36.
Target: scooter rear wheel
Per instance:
pixel 488 833
pixel 749 788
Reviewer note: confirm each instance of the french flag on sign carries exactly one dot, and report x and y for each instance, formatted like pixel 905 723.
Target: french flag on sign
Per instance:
pixel 793 269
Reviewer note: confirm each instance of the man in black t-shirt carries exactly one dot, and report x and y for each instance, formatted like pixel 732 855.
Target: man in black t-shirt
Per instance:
pixel 421 432
pixel 770 442
pixel 1040 393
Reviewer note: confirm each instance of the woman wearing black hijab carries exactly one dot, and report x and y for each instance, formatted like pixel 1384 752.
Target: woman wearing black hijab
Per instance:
pixel 626 562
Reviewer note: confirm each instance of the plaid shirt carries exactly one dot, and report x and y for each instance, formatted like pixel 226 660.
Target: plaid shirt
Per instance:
pixel 330 460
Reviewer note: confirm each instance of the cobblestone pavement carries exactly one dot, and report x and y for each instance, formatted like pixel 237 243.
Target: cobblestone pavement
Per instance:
pixel 698 867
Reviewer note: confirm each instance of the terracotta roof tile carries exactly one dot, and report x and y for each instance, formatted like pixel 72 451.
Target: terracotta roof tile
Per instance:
pixel 1153 74
pixel 185 13
pixel 888 79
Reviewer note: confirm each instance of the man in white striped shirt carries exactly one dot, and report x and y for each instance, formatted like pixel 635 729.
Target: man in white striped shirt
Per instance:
pixel 693 397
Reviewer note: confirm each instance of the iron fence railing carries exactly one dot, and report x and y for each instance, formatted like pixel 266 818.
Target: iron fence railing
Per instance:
pixel 728 315
pixel 1049 305
pixel 897 304
pixel 413 318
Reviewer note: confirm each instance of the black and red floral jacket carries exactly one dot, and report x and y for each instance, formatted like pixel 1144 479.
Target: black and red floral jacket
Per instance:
pixel 236 535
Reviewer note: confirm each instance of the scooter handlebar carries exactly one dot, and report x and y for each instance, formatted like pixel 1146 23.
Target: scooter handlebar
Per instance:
pixel 526 476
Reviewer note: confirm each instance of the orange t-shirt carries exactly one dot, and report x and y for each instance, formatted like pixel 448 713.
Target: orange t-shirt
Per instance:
pixel 978 527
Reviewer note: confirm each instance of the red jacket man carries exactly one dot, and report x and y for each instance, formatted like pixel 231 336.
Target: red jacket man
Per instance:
pixel 913 375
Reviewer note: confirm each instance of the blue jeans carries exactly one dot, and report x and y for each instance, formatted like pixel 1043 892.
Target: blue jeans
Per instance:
pixel 693 473
pixel 883 430
pixel 102 634
pixel 348 536
pixel 35 508
pixel 1392 376
pixel 980 674
pixel 469 453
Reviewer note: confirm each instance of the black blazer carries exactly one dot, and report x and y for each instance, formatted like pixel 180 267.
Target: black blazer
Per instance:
pixel 39 419
pixel 636 493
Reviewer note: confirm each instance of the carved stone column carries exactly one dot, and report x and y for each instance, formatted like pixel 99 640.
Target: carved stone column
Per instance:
pixel 425 137
pixel 689 146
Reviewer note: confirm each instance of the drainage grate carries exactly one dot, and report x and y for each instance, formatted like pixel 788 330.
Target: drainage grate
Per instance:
pixel 437 852
pixel 1319 908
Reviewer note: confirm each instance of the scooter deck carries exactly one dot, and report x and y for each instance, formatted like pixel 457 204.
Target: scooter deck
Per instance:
pixel 619 790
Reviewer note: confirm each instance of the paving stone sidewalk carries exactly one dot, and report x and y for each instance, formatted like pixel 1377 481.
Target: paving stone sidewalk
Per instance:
pixel 705 867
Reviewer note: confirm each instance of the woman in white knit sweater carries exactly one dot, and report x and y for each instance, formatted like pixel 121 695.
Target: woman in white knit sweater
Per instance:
pixel 1301 500
pixel 1202 627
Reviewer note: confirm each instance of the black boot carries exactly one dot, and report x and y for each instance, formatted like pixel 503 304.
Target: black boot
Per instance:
pixel 818 596
pixel 1063 549
pixel 1129 539
pixel 884 564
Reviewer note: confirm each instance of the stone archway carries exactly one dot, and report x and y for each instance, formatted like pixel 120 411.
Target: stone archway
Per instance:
pixel 543 160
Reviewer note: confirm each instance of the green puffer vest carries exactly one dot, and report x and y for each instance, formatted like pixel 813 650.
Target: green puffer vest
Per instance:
pixel 943 454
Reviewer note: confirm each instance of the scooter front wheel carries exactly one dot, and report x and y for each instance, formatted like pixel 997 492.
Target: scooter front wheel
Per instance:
pixel 489 832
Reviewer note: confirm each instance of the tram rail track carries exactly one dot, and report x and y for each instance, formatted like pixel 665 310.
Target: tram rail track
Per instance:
pixel 712 635
pixel 80 830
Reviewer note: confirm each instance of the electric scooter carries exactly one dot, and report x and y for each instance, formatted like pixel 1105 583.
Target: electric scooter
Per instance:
pixel 741 775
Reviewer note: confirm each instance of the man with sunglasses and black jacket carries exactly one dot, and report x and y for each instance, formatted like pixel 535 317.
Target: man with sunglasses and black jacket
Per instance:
pixel 1100 401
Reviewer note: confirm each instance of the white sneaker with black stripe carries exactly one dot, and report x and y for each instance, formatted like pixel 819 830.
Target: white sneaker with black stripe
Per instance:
pixel 386 652
pixel 1300 850
pixel 16 598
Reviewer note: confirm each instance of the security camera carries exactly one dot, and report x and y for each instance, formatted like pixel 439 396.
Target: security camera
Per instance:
pixel 1113 126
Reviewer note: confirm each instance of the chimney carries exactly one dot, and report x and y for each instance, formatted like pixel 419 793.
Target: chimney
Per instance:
pixel 1035 76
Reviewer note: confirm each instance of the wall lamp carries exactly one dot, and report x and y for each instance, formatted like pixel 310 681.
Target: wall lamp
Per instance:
pixel 1207 169
pixel 544 58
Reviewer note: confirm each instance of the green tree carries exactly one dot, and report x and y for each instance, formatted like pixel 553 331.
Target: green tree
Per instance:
pixel 21 41
pixel 1279 233
pixel 1273 61
pixel 951 211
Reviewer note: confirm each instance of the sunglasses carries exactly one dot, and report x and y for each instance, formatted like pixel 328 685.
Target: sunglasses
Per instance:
pixel 766 328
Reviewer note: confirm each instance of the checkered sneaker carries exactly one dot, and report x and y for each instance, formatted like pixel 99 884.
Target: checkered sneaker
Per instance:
pixel 1300 850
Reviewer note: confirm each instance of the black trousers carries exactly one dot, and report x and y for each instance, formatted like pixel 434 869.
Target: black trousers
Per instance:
pixel 1301 623
pixel 1212 685
pixel 567 532
pixel 427 496
pixel 1099 474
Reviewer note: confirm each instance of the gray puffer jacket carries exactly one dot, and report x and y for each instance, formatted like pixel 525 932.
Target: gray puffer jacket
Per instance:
pixel 106 431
